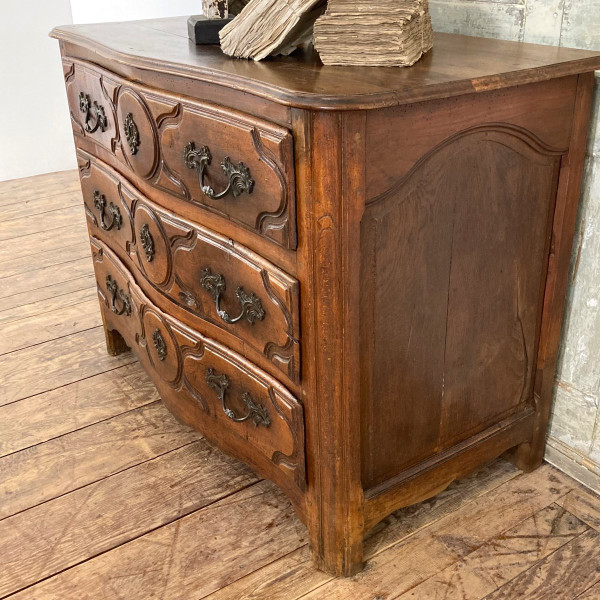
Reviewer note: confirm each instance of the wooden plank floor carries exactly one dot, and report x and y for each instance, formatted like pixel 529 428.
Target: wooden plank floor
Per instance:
pixel 103 495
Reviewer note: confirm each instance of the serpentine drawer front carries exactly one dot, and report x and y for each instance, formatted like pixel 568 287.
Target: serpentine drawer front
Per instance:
pixel 232 164
pixel 205 275
pixel 377 257
pixel 205 384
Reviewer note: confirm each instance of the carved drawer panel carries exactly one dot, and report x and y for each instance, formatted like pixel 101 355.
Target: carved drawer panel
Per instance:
pixel 202 382
pixel 206 276
pixel 91 106
pixel 218 159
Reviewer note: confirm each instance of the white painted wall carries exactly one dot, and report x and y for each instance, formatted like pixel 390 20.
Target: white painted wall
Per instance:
pixel 35 134
pixel 85 11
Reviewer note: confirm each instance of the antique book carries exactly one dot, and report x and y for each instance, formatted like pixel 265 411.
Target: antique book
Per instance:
pixel 215 9
pixel 271 27
pixel 390 33
pixel 221 9
pixel 216 14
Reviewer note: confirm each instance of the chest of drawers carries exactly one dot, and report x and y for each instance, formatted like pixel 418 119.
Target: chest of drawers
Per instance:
pixel 352 279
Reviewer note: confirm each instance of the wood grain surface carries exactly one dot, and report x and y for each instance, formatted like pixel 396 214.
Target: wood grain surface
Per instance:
pixel 67 531
pixel 456 65
pixel 421 280
pixel 104 495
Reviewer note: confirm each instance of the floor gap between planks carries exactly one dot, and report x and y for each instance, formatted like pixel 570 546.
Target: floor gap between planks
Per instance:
pixel 104 495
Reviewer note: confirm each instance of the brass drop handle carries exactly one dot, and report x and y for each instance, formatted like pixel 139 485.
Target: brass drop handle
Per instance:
pixel 118 294
pixel 239 177
pixel 113 211
pixel 92 110
pixel 256 412
pixel 252 307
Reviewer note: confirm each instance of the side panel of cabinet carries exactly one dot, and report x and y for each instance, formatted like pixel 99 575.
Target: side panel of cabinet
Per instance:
pixel 453 268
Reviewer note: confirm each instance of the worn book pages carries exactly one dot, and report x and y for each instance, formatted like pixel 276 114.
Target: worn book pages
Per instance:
pixel 215 9
pixel 388 33
pixel 271 27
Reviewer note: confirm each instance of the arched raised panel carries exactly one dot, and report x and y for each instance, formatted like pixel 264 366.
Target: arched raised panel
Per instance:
pixel 452 257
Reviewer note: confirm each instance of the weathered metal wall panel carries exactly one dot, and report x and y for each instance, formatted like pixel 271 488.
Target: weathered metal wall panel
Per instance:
pixel 574 437
pixel 483 19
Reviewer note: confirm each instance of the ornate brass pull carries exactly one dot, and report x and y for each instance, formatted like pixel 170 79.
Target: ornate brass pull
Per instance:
pixel 239 177
pixel 114 212
pixel 256 412
pixel 252 307
pixel 116 293
pixel 160 345
pixel 147 242
pixel 86 106
pixel 132 135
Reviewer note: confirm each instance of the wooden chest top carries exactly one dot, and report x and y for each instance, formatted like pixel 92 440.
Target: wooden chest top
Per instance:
pixel 457 65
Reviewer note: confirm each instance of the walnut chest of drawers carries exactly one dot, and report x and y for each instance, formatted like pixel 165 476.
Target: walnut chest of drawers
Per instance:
pixel 352 279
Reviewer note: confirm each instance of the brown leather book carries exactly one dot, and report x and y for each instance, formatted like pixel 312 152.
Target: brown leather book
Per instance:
pixel 386 33
pixel 271 27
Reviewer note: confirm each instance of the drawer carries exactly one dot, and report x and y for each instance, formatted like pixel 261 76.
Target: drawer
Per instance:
pixel 207 276
pixel 205 384
pixel 91 106
pixel 220 160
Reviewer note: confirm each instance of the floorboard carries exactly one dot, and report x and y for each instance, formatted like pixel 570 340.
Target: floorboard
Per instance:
pixel 104 495
pixel 66 463
pixel 63 321
pixel 505 557
pixel 37 244
pixel 584 504
pixel 55 413
pixel 43 260
pixel 566 573
pixel 22 284
pixel 30 225
pixel 39 206
pixel 191 557
pixel 49 305
pixel 39 186
pixel 66 530
pixel 56 363
pixel 64 289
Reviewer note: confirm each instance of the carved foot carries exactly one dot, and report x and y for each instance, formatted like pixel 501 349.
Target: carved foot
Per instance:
pixel 335 567
pixel 336 551
pixel 525 457
pixel 115 344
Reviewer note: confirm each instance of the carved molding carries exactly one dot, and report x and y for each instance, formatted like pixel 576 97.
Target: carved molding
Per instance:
pixel 158 250
pixel 274 412
pixel 274 226
pixel 512 133
pixel 277 220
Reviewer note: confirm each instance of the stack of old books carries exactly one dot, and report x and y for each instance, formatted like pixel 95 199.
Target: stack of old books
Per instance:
pixel 382 33
pixel 270 27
